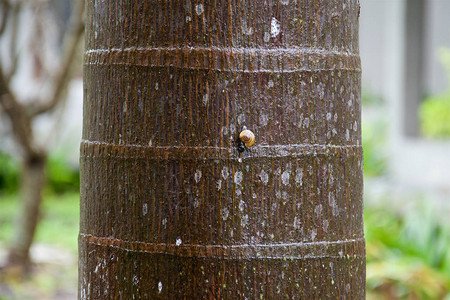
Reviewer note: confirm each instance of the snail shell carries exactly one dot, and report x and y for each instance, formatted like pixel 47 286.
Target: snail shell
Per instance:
pixel 247 137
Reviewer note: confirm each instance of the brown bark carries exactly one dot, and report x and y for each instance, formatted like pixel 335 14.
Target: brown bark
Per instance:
pixel 33 179
pixel 169 208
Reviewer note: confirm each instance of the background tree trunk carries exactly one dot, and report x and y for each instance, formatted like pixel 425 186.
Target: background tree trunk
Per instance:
pixel 169 208
pixel 33 179
pixel 21 114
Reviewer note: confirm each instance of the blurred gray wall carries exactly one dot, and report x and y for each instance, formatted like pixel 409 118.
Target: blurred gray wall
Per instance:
pixel 399 42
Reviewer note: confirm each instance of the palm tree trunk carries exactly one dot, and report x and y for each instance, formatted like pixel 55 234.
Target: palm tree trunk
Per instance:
pixel 170 208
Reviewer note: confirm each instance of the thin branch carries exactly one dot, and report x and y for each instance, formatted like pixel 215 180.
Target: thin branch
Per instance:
pixel 5 9
pixel 15 15
pixel 20 121
pixel 71 47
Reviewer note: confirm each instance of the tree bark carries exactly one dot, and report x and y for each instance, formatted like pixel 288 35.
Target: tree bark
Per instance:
pixel 169 208
pixel 33 179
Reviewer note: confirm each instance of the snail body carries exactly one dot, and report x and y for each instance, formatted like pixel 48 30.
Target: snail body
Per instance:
pixel 247 137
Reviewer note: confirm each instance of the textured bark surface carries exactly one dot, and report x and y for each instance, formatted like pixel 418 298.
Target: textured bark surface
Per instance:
pixel 169 208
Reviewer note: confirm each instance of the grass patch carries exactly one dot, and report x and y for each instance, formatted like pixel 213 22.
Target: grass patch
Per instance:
pixel 59 221
pixel 408 255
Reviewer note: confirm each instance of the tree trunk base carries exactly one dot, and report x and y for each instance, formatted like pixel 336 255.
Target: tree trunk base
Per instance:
pixel 33 179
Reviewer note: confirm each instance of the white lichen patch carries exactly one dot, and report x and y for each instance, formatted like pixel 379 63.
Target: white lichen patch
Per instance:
pixel 325 225
pixel 188 19
pixel 263 119
pixel 144 209
pixel 224 130
pixel 225 173
pixel 297 223
pixel 270 84
pixel 156 86
pixel 275 27
pixel 245 29
pixel 306 123
pixel 299 177
pixel 178 242
pixel 241 118
pixel 205 99
pixel 321 90
pixel 232 128
pixel 241 205
pixel 244 221
pixel 238 176
pixel 313 234
pixel 332 202
pixel 199 9
pixel 197 175
pixel 328 116
pixel 318 210
pixel 159 287
pixel 285 177
pixel 334 131
pixel 135 280
pixel 225 213
pixel 219 184
pixel 264 177
pixel 266 37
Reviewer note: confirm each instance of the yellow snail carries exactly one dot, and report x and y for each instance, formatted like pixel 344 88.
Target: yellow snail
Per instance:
pixel 247 137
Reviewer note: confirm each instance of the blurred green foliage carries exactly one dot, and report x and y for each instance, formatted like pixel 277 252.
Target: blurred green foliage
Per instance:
pixel 59 219
pixel 408 255
pixel 9 173
pixel 435 116
pixel 374 147
pixel 369 98
pixel 435 110
pixel 374 134
pixel 60 175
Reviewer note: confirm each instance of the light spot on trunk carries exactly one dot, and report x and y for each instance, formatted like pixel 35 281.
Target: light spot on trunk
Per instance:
pixel 264 177
pixel 144 209
pixel 198 176
pixel 225 173
pixel 285 177
pixel 238 177
pixel 199 9
pixel 244 221
pixel 275 27
pixel 219 184
pixel 325 225
pixel 263 119
pixel 225 213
